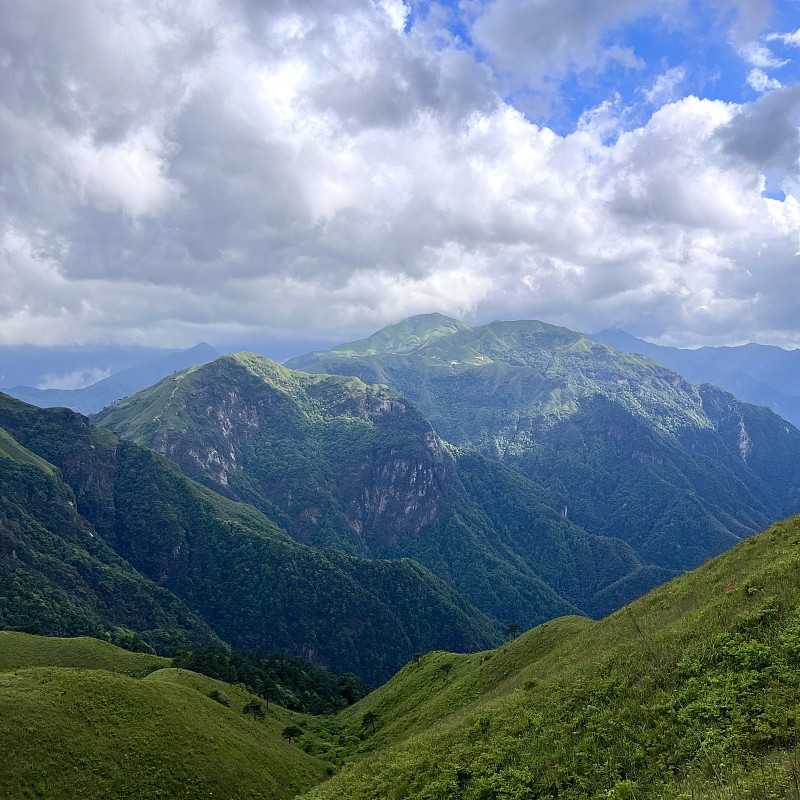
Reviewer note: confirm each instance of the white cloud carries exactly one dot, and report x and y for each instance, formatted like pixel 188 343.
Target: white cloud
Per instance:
pixel 791 39
pixel 759 81
pixel 760 56
pixel 665 87
pixel 288 169
pixel 76 379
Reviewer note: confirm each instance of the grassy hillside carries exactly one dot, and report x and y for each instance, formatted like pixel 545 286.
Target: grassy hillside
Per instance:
pixel 81 720
pixel 22 651
pixel 691 691
pixel 93 734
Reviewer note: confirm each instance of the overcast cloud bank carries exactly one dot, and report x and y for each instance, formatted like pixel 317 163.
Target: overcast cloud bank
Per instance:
pixel 174 172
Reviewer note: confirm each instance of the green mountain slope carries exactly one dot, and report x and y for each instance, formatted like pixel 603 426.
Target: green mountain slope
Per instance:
pixel 23 651
pixel 58 577
pixel 230 566
pixel 678 472
pixel 760 374
pixel 691 691
pixel 84 728
pixel 342 463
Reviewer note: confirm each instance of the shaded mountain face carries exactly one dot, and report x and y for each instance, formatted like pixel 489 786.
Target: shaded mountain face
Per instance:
pixel 679 472
pixel 355 466
pixel 59 577
pixel 121 384
pixel 186 550
pixel 759 374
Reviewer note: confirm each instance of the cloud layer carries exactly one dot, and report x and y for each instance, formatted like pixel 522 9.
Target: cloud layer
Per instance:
pixel 174 172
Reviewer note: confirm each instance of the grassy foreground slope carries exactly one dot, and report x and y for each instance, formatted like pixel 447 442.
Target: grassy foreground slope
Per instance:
pixel 99 733
pixel 691 691
pixel 22 651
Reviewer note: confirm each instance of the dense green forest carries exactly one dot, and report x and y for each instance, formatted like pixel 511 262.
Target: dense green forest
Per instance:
pixel 106 534
pixel 357 467
pixel 679 472
pixel 289 681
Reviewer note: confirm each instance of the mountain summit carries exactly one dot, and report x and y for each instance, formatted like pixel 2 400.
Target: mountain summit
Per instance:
pixel 680 472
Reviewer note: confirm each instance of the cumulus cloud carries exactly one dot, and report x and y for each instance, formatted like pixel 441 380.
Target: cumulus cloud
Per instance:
pixel 76 379
pixel 240 168
pixel 538 39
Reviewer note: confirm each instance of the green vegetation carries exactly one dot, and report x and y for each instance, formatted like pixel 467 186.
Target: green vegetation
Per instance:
pixel 85 719
pixel 22 651
pixel 288 681
pixel 691 691
pixel 678 472
pixel 58 577
pixel 188 564
pixel 354 466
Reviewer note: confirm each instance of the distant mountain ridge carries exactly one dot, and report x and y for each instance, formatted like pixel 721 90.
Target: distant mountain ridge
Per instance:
pixel 98 395
pixel 341 463
pixel 679 472
pixel 759 374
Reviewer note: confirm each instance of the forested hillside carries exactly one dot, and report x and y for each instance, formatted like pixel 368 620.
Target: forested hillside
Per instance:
pixel 196 565
pixel 356 466
pixel 679 472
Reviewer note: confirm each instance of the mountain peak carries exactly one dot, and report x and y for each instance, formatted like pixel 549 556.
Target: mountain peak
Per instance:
pixel 405 336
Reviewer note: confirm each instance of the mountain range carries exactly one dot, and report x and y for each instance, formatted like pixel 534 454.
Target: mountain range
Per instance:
pixel 366 508
pixel 104 537
pixel 760 374
pixel 679 472
pixel 97 396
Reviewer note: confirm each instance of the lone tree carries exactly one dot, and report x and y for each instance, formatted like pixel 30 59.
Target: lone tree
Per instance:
pixel 269 691
pixel 291 732
pixel 511 631
pixel 255 708
pixel 219 698
pixel 368 720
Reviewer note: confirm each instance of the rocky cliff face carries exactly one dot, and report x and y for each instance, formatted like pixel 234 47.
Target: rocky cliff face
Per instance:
pixel 341 462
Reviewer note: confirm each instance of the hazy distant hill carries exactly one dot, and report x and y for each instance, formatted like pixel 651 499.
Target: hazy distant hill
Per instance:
pixel 680 472
pixel 760 374
pixel 97 396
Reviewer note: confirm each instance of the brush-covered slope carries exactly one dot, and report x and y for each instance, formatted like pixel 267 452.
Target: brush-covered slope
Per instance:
pixel 82 727
pixel 759 374
pixel 246 578
pixel 679 472
pixel 58 576
pixel 342 463
pixel 691 691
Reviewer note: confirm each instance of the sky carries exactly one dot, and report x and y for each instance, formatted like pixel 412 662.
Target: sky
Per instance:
pixel 241 171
